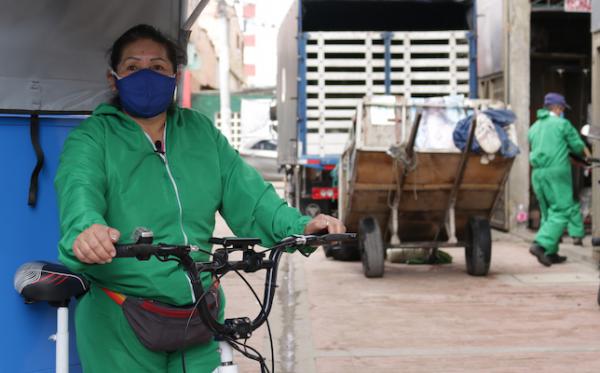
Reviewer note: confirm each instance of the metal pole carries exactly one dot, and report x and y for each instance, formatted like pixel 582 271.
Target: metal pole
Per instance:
pixel 62 340
pixel 224 70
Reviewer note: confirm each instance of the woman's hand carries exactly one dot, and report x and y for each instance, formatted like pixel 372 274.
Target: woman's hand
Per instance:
pixel 95 245
pixel 324 222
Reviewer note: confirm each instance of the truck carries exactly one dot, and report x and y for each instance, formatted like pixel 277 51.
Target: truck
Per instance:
pixel 332 53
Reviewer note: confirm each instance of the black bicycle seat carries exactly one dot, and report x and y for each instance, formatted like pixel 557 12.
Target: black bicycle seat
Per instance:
pixel 48 282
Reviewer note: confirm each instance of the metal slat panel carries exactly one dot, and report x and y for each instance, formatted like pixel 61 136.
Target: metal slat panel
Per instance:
pixel 433 48
pixel 333 125
pixel 432 35
pixel 328 114
pixel 432 62
pixel 343 62
pixel 358 76
pixel 354 89
pixel 432 89
pixel 326 145
pixel 315 150
pixel 347 48
pixel 334 102
pixel 432 75
pixel 341 35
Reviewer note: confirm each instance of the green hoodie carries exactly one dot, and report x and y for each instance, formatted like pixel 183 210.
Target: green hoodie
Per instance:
pixel 551 139
pixel 110 174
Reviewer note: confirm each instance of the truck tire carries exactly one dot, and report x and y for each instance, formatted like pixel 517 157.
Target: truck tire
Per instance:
pixel 371 247
pixel 478 249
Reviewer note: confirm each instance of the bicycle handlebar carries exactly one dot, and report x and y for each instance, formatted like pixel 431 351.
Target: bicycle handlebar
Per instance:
pixel 252 261
pixel 143 251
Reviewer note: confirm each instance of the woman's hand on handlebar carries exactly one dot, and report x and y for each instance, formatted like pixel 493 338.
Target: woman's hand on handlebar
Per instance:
pixel 95 245
pixel 326 223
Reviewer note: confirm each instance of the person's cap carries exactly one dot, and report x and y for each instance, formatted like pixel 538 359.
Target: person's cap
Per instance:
pixel 555 99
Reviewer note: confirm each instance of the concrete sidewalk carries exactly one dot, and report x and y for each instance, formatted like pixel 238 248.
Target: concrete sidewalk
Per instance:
pixel 586 254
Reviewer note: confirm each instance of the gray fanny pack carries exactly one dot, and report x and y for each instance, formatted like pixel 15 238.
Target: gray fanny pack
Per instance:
pixel 164 327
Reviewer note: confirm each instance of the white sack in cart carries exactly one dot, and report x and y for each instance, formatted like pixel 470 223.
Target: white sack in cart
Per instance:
pixel 438 123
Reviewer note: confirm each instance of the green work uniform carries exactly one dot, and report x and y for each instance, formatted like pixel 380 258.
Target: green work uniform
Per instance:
pixel 110 174
pixel 551 139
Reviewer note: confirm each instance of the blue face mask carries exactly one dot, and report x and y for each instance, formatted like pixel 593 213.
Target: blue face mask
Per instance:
pixel 145 93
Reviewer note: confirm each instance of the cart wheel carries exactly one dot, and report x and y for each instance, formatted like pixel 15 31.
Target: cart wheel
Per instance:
pixel 344 252
pixel 478 251
pixel 599 297
pixel 371 247
pixel 327 249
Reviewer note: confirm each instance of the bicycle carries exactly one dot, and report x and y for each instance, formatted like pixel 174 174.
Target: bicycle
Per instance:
pixel 42 281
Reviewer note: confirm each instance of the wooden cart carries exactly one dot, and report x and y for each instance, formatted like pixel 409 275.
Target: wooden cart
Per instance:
pixel 396 197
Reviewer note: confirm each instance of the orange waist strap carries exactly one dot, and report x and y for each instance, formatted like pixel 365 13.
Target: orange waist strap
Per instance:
pixel 117 297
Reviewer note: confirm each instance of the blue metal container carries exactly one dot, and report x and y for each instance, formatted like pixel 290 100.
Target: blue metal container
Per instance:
pixel 29 234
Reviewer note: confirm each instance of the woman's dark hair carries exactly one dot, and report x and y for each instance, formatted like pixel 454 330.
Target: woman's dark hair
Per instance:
pixel 176 54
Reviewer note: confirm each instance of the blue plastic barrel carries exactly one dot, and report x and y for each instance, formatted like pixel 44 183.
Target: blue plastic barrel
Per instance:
pixel 29 234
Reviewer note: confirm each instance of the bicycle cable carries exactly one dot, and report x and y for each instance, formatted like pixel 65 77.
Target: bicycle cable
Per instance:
pixel 217 280
pixel 267 321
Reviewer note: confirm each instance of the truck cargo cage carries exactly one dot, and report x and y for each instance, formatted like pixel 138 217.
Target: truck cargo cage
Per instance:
pixel 343 67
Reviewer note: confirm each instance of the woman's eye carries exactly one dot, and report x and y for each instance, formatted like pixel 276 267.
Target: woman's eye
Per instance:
pixel 131 68
pixel 158 68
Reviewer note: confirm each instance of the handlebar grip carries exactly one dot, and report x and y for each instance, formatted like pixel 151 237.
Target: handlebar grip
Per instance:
pixel 339 237
pixel 124 251
pixel 132 251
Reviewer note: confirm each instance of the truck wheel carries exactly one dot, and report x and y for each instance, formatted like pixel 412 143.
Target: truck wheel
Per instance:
pixel 478 250
pixel 371 247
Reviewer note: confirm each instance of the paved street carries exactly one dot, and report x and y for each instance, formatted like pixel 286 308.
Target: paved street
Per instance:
pixel 329 318
pixel 439 319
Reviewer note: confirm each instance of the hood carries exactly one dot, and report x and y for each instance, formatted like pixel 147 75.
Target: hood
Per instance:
pixel 112 110
pixel 543 113
pixel 106 109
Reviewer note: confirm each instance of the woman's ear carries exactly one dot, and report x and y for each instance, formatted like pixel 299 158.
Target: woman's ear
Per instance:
pixel 112 83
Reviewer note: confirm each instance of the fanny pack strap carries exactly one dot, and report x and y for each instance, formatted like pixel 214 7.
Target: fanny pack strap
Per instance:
pixel 117 297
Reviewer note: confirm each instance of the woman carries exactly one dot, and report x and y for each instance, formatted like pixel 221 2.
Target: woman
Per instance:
pixel 142 162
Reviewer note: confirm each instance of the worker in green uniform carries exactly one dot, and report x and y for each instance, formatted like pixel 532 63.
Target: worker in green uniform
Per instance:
pixel 551 139
pixel 143 162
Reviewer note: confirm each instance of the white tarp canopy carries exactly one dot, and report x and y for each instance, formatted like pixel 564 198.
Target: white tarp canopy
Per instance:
pixel 53 53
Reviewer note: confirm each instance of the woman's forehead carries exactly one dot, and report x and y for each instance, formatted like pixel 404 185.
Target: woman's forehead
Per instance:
pixel 144 49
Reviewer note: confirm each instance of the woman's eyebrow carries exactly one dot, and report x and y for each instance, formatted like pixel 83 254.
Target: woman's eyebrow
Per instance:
pixel 132 58
pixel 141 58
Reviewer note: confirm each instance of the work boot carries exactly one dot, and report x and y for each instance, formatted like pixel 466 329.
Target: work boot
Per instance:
pixel 557 259
pixel 539 252
pixel 577 241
